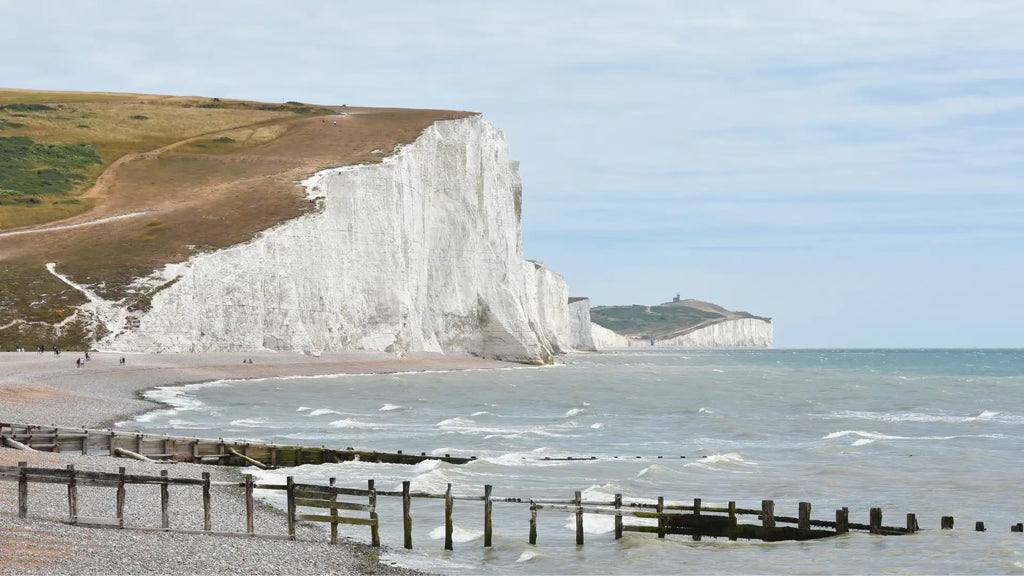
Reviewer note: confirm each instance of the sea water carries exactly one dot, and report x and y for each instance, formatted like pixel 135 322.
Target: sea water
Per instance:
pixel 931 432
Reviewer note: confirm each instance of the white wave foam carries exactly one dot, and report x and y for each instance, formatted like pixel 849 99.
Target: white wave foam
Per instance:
pixel 730 462
pixel 249 422
pixel 302 408
pixel 574 412
pixel 389 407
pixel 322 411
pixel 903 417
pixel 350 423
pixel 459 534
pixel 526 556
pixel 598 425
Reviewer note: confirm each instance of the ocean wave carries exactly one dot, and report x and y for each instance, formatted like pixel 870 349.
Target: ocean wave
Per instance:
pixel 389 407
pixel 574 412
pixel 730 462
pixel 459 534
pixel 250 422
pixel 303 409
pixel 351 423
pixel 923 417
pixel 323 411
pixel 864 437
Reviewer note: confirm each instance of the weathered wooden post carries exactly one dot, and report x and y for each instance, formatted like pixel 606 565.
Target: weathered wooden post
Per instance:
pixel 947 523
pixel 112 443
pixel 138 444
pixel 912 523
pixel 120 497
pixel 1018 527
pixel 842 520
pixel 334 510
pixel 207 522
pixel 449 504
pixel 375 526
pixel 618 516
pixel 579 518
pixel 875 522
pixel 533 522
pixel 23 490
pixel 661 516
pixel 290 491
pixel 165 502
pixel 979 526
pixel 407 514
pixel 488 507
pixel 72 495
pixel 85 442
pixel 732 518
pixel 768 513
pixel 250 507
pixel 696 513
pixel 804 520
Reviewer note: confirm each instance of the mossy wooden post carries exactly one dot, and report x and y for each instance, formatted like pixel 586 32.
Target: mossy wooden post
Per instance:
pixel 250 506
pixel 696 513
pixel 661 516
pixel 72 495
pixel 207 523
pixel 112 443
pixel 947 522
pixel 165 502
pixel 875 522
pixel 120 497
pixel 22 490
pixel 138 443
pixel 407 515
pixel 374 527
pixel 911 523
pixel 732 517
pixel 273 456
pixel 290 491
pixel 579 518
pixel 449 504
pixel 768 513
pixel 334 511
pixel 618 517
pixel 842 520
pixel 804 519
pixel 533 522
pixel 488 508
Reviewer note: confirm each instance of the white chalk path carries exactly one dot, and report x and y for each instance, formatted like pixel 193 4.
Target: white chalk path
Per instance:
pixel 79 225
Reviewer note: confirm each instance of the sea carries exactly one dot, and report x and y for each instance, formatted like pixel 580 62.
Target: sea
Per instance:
pixel 930 432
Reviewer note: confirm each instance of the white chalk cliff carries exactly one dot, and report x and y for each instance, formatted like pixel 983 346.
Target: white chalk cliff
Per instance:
pixel 737 333
pixel 421 252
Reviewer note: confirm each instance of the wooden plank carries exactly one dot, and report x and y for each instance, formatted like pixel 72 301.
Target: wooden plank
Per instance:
pixel 805 516
pixel 767 513
pixel 371 522
pixel 120 498
pixel 130 454
pixel 12 443
pixel 334 513
pixel 245 458
pixel 661 516
pixel 291 506
pixel 94 522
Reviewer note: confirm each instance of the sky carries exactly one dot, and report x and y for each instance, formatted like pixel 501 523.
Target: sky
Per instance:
pixel 851 169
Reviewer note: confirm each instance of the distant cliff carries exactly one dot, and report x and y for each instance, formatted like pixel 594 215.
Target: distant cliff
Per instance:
pixel 683 323
pixel 420 252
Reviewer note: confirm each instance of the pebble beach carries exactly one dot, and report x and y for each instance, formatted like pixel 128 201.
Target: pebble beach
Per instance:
pixel 47 389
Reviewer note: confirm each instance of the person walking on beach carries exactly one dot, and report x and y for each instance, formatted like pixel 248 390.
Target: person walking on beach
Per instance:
pixel 78 362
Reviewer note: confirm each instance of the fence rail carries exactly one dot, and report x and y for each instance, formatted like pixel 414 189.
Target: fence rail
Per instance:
pixel 337 505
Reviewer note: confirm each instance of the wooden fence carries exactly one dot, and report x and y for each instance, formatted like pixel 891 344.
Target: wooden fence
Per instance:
pixel 356 506
pixel 166 448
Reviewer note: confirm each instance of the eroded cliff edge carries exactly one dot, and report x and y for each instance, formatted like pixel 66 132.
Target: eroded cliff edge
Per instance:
pixel 420 252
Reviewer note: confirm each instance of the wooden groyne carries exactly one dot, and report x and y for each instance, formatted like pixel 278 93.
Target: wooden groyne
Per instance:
pixel 157 447
pixel 336 506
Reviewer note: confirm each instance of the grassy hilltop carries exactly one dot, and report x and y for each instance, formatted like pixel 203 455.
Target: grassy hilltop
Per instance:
pixel 110 187
pixel 664 321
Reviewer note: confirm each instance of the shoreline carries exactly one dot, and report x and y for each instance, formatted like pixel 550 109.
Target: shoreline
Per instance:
pixel 48 389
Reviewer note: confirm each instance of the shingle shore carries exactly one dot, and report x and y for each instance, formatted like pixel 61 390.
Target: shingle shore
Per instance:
pixel 46 389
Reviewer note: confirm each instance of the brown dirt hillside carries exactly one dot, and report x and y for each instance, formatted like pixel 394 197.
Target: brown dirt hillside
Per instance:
pixel 176 176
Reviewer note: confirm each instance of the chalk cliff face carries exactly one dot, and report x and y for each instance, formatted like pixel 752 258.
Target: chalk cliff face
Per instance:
pixel 581 333
pixel 738 333
pixel 420 252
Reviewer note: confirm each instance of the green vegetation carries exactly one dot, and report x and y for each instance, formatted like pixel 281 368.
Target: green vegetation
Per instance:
pixel 18 107
pixel 29 170
pixel 140 117
pixel 224 140
pixel 666 320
